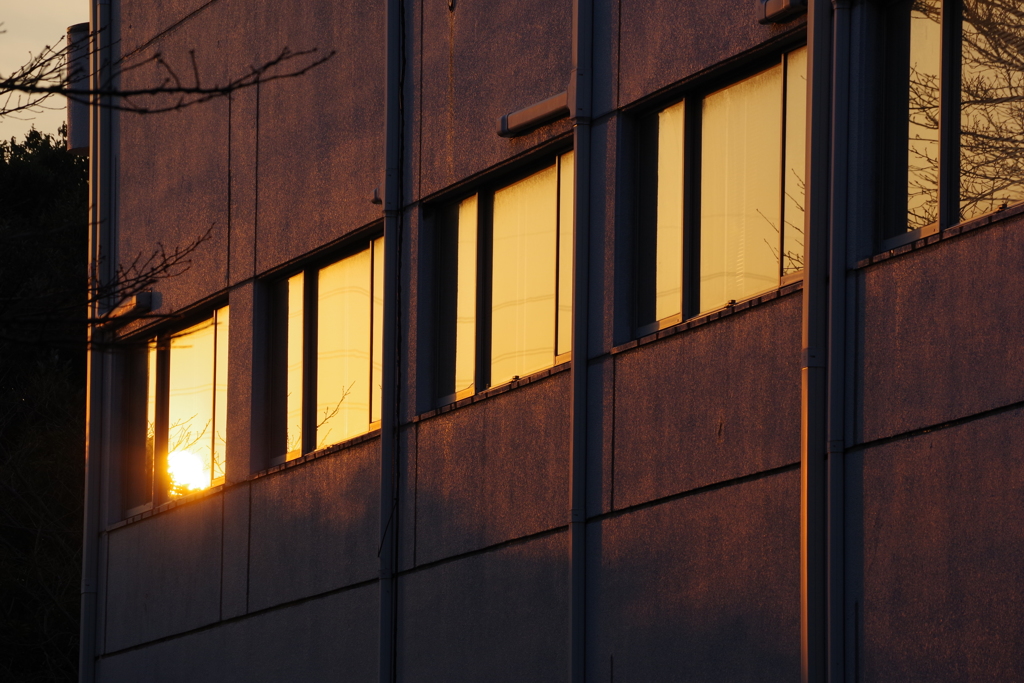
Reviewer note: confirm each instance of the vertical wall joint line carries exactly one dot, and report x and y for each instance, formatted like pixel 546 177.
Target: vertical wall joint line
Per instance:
pixel 579 100
pixel 390 391
pixel 837 359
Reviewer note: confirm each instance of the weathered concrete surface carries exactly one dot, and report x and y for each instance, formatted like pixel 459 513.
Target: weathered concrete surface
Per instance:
pixel 324 640
pixel 314 527
pixel 710 404
pixel 703 588
pixel 321 136
pixel 163 574
pixel 499 616
pixel 941 332
pixel 664 41
pixel 493 471
pixel 943 553
pixel 477 63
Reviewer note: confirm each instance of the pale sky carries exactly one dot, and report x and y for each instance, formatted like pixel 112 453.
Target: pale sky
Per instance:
pixel 28 25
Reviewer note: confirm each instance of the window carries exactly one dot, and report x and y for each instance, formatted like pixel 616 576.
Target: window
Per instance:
pixel 505 281
pixel 176 411
pixel 326 330
pixel 720 195
pixel 956 120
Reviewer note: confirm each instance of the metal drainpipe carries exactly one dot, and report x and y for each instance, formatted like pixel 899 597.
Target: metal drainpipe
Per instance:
pixel 815 322
pixel 838 286
pixel 97 360
pixel 580 112
pixel 390 392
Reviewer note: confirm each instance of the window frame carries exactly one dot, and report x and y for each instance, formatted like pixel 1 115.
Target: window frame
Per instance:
pixel 644 189
pixel 444 339
pixel 309 349
pixel 153 351
pixel 950 112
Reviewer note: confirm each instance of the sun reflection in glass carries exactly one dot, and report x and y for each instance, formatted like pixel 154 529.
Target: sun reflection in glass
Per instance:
pixel 188 471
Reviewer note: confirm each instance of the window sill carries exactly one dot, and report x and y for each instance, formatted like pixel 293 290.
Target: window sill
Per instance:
pixel 142 513
pixel 164 507
pixel 483 395
pixel 325 451
pixel 784 290
pixel 948 233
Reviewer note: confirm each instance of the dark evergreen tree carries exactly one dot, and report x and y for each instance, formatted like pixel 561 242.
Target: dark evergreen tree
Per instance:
pixel 43 289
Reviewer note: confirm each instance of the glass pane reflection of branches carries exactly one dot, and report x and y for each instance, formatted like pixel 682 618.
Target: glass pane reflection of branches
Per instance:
pixel 196 406
pixel 992 106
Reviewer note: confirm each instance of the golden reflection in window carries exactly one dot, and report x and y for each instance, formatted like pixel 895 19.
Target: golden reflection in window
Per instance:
pixel 794 169
pixel 669 231
pixel 566 171
pixel 377 352
pixel 740 210
pixel 523 290
pixel 992 106
pixel 343 349
pixel 923 114
pixel 465 305
pixel 196 435
pixel 220 395
pixel 293 381
pixel 151 397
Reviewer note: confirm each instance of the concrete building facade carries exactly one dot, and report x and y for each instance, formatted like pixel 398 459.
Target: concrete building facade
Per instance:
pixel 682 339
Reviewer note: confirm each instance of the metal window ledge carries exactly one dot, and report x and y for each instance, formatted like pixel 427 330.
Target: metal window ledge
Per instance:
pixel 518 122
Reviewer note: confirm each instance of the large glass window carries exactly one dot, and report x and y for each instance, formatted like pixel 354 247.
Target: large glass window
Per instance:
pixel 175 413
pixel 325 353
pixel 505 281
pixel 959 146
pixel 720 196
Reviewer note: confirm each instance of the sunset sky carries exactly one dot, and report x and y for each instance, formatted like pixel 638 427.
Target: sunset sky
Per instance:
pixel 27 28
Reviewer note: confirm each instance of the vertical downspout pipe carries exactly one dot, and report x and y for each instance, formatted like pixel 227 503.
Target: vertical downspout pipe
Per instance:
pixel 579 99
pixel 814 338
pixel 77 78
pixel 838 287
pixel 390 392
pixel 97 359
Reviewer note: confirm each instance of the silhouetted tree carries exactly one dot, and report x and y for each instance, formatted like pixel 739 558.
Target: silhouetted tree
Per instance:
pixel 43 274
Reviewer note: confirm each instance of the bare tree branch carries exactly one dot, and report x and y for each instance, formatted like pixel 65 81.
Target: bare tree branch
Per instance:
pixel 46 74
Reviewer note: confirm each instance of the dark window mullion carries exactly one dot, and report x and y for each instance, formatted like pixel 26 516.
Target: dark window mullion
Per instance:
pixel 309 364
pixel 782 167
pixel 646 256
pixel 485 206
pixel 446 261
pixel 161 481
pixel 949 114
pixel 691 205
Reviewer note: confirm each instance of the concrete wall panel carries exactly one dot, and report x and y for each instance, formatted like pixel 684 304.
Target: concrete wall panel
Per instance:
pixel 710 404
pixel 935 346
pixel 478 62
pixel 235 552
pixel 493 471
pixel 500 616
pixel 243 153
pixel 321 136
pixel 664 41
pixel 141 22
pixel 173 174
pixel 330 639
pixel 704 588
pixel 944 554
pixel 315 527
pixel 163 574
